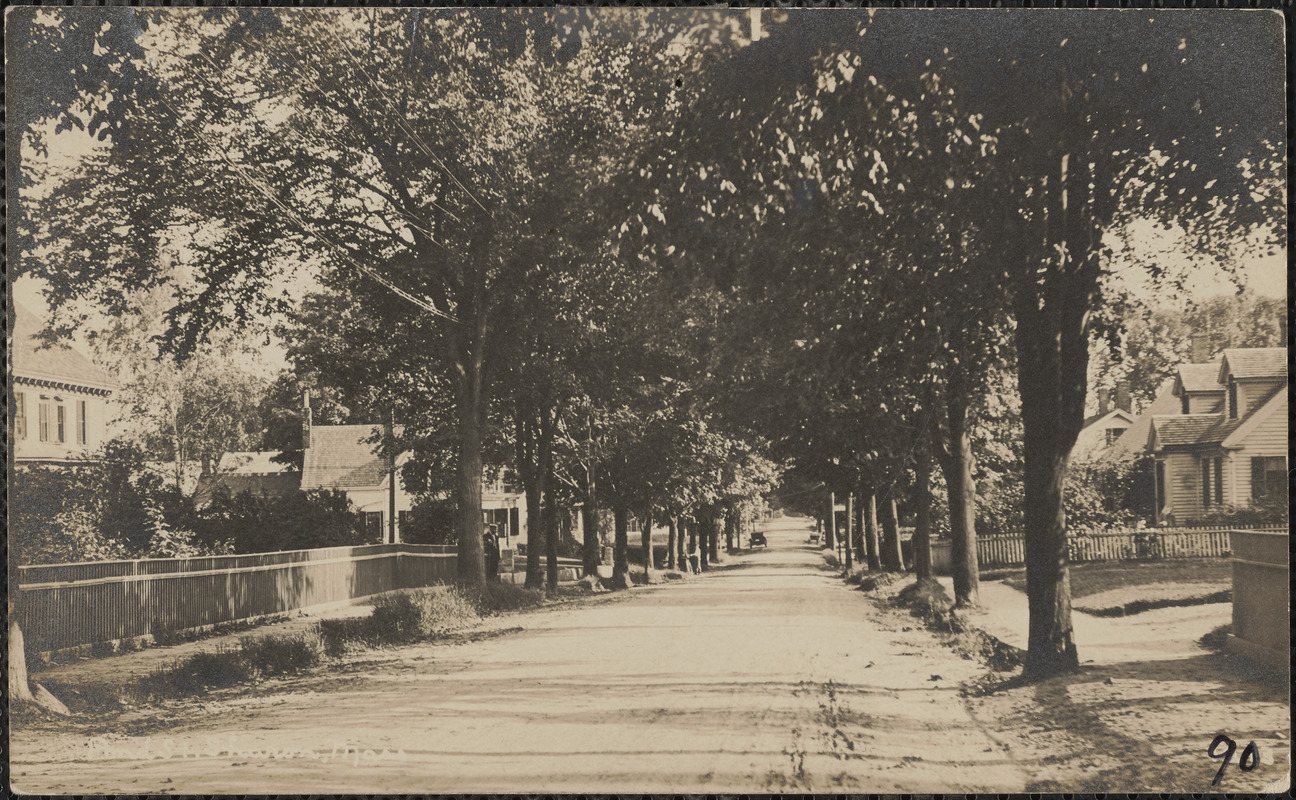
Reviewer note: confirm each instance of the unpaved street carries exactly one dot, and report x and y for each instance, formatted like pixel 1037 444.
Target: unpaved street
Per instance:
pixel 767 675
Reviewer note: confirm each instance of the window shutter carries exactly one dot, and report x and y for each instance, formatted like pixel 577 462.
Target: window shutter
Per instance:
pixel 1232 398
pixel 1219 481
pixel 1257 477
pixel 1206 482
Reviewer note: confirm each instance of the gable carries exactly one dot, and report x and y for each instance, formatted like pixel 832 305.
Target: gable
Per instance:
pixel 344 457
pixel 1254 423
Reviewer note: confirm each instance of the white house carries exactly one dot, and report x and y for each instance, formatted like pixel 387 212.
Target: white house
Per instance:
pixel 1104 429
pixel 345 457
pixel 1228 445
pixel 59 399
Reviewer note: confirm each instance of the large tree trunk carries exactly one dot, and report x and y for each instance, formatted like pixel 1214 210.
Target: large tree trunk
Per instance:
pixel 672 543
pixel 551 546
pixel 699 537
pixel 592 535
pixel 533 487
pixel 830 523
pixel 858 525
pixel 849 538
pixel 892 557
pixel 922 517
pixel 19 686
pixel 872 546
pixel 713 535
pixel 472 562
pixel 620 544
pixel 1052 364
pixel 645 537
pixel 962 498
pixel 730 527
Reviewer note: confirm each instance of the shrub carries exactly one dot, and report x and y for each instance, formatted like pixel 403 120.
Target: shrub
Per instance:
pixel 277 654
pixel 259 523
pixel 199 671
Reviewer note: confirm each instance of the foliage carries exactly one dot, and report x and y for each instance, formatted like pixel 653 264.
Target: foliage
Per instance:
pixel 195 410
pixel 1109 490
pixel 1155 341
pixel 110 508
pixel 258 523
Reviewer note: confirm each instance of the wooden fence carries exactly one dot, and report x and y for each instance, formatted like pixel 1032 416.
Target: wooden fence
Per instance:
pixel 65 605
pixel 1118 545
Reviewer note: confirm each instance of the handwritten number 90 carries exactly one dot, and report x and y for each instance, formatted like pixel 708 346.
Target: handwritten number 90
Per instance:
pixel 1250 755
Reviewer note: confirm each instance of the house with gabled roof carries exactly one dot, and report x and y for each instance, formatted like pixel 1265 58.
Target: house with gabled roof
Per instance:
pixel 1227 449
pixel 1100 431
pixel 348 458
pixel 59 399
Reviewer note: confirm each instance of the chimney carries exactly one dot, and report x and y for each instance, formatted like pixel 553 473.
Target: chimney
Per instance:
pixel 1123 395
pixel 306 420
pixel 1282 331
pixel 1201 348
pixel 1103 396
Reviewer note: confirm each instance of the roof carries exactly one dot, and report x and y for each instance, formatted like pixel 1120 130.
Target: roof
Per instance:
pixel 339 457
pixel 271 485
pixel 252 462
pixel 1253 362
pixel 30 358
pixel 1194 430
pixel 1182 430
pixel 1199 378
pixel 1115 412
pixel 1135 438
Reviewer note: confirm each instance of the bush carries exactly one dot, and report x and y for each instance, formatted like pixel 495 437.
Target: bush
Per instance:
pixel 278 654
pixel 495 598
pixel 258 523
pixel 199 671
pixel 112 508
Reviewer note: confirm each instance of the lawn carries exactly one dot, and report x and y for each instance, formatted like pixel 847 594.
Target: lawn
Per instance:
pixel 1115 587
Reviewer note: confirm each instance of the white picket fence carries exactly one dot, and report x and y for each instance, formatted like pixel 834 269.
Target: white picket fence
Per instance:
pixel 1114 545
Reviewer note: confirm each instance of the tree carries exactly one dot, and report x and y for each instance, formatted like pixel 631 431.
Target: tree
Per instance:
pixel 404 149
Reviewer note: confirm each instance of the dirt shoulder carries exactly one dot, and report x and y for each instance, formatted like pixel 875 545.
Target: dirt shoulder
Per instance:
pixel 1141 713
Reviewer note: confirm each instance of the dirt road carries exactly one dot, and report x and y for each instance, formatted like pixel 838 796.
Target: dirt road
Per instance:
pixel 767 675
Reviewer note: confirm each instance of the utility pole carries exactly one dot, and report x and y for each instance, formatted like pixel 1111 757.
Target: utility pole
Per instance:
pixel 390 436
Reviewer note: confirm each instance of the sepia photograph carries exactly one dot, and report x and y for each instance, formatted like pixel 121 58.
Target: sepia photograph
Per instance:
pixel 585 400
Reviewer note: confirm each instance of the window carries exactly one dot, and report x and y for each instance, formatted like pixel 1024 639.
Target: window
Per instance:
pixel 373 524
pixel 20 415
pixel 83 431
pixel 1112 434
pixel 1159 481
pixel 1232 398
pixel 1268 476
pixel 43 422
pixel 1212 470
pixel 62 423
pixel 1183 403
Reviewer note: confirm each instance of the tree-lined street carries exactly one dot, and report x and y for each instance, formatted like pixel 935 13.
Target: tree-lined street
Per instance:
pixel 591 292
pixel 769 675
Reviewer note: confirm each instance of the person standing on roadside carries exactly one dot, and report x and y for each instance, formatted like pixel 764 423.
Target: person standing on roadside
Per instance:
pixel 490 547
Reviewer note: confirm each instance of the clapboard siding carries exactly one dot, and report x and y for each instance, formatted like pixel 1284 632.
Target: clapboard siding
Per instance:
pixel 1183 479
pixel 65 605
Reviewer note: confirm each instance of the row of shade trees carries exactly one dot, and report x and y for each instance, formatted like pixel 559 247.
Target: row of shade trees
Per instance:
pixel 685 248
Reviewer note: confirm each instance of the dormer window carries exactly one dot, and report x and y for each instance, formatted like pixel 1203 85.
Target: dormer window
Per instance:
pixel 1232 398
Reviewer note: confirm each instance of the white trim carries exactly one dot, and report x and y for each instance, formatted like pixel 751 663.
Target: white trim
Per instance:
pixel 1233 440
